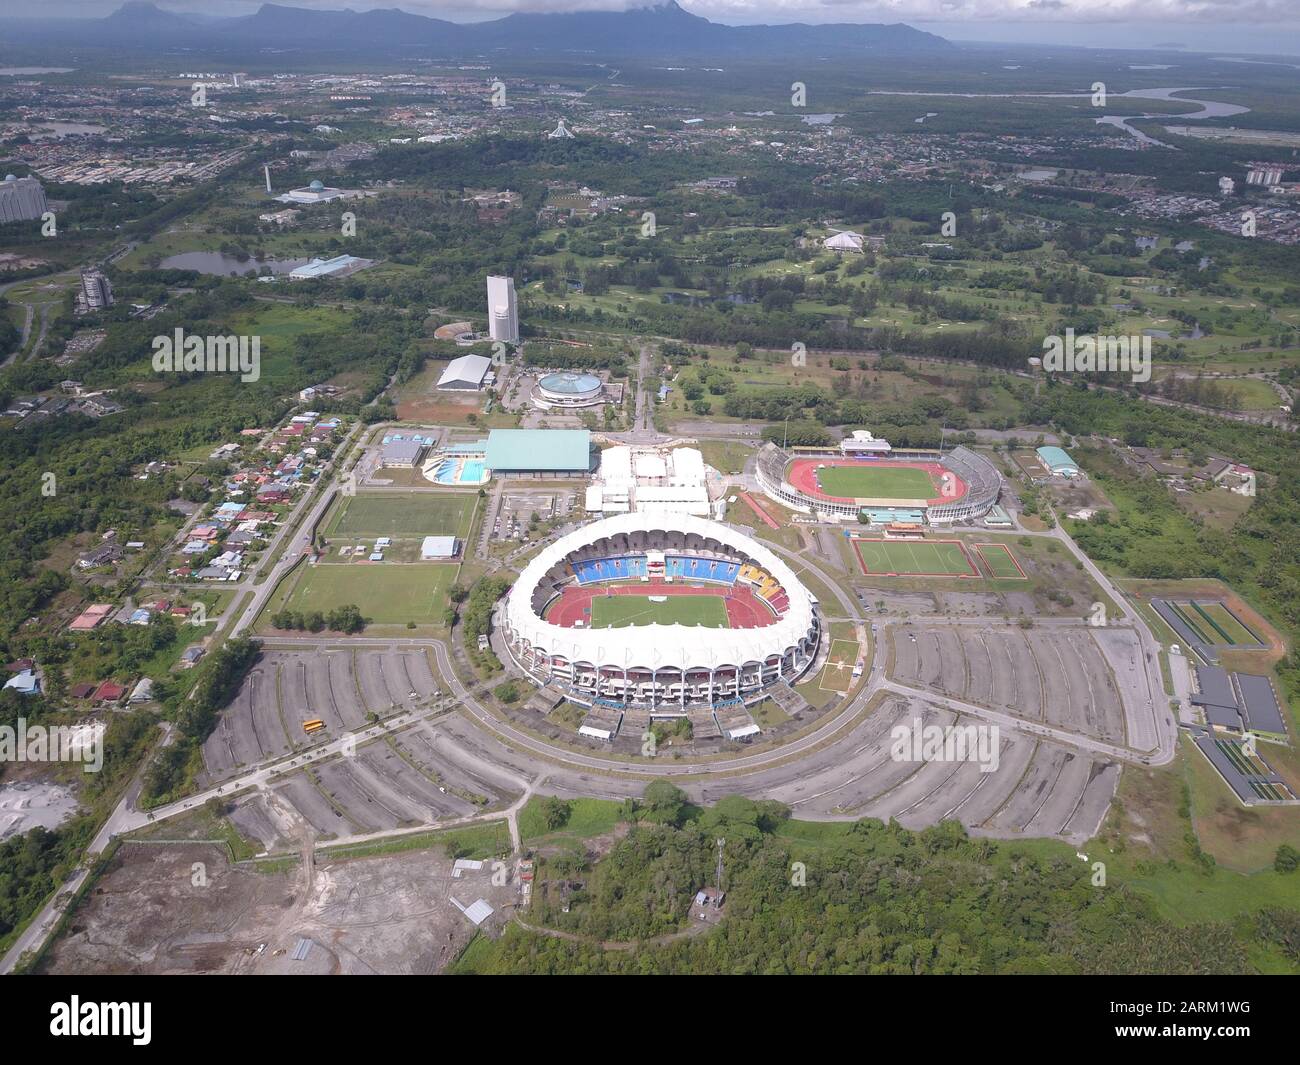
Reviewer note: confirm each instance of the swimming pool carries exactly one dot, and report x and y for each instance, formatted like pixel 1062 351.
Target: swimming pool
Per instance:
pixel 459 471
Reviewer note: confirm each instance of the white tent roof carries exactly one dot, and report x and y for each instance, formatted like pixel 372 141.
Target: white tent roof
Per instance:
pixel 653 646
pixel 844 242
pixel 616 466
pixel 466 370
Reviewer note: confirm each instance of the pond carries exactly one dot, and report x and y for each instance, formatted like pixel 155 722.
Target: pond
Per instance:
pixel 222 265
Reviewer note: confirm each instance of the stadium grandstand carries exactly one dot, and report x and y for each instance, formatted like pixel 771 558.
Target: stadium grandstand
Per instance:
pixel 910 487
pixel 660 612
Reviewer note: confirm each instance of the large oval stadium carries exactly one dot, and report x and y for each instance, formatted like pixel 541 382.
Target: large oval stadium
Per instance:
pixel 908 487
pixel 660 611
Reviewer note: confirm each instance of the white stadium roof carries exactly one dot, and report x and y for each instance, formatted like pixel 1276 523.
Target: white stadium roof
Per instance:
pixel 656 646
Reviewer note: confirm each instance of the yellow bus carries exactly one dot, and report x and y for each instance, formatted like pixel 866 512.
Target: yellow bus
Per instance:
pixel 314 725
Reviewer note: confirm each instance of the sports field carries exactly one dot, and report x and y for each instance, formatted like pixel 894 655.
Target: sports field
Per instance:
pixel 618 611
pixel 403 514
pixel 385 594
pixel 837 674
pixel 1001 562
pixel 916 558
pixel 1213 623
pixel 876 482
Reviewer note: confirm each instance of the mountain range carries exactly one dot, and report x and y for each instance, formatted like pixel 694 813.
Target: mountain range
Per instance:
pixel 663 30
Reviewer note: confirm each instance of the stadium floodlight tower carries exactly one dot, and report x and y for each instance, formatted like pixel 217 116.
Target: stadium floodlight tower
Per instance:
pixel 503 310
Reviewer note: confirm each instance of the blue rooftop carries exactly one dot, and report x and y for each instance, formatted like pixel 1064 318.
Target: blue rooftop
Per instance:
pixel 1056 459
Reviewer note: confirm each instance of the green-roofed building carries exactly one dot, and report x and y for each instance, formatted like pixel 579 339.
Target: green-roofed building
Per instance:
pixel 1057 462
pixel 539 452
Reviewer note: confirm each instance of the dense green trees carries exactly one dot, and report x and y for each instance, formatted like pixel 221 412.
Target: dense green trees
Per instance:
pixel 221 674
pixel 346 618
pixel 875 898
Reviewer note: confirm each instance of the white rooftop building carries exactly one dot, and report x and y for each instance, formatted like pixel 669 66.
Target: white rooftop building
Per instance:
pixel 465 374
pixel 436 548
pixel 649 480
pixel 502 309
pixel 317 192
pixel 21 199
pixel 850 242
pixel 862 442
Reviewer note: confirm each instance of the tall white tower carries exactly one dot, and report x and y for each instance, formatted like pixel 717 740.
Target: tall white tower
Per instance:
pixel 502 310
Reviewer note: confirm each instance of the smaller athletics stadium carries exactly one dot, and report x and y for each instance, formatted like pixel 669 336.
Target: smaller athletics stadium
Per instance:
pixel 906 487
pixel 660 610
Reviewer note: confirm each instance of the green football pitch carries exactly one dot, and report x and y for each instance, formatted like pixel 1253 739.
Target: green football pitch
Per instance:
pixel 618 611
pixel 388 594
pixel 876 482
pixel 917 558
pixel 403 514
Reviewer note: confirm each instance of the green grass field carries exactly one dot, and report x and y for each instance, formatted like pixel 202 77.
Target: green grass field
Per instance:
pixel 837 674
pixel 1203 630
pixel 915 558
pixel 408 514
pixel 876 482
pixel 1000 561
pixel 1236 632
pixel 618 611
pixel 387 594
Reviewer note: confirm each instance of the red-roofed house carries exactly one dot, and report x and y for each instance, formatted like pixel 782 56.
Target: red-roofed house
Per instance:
pixel 109 692
pixel 91 617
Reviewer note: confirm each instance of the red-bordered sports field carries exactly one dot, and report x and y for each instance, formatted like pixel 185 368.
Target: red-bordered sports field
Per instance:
pixel 804 476
pixel 745 610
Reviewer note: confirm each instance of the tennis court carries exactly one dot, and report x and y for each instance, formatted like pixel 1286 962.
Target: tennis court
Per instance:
pixel 915 558
pixel 620 611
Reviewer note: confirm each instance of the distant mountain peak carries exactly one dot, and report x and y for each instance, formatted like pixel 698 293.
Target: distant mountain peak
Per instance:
pixel 662 30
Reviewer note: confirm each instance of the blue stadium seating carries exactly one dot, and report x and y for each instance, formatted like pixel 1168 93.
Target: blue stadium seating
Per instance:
pixel 701 569
pixel 592 571
pixel 630 567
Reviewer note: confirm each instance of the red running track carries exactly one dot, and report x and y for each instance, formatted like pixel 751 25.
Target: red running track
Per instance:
pixel 745 609
pixel 802 476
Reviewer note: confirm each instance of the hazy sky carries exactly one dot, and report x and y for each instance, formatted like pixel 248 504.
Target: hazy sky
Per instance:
pixel 1199 25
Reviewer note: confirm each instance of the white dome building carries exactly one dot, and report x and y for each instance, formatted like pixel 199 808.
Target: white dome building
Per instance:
pixel 567 390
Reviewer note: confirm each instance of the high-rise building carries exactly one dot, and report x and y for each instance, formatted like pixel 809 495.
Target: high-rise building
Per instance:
pixel 21 199
pixel 96 292
pixel 503 311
